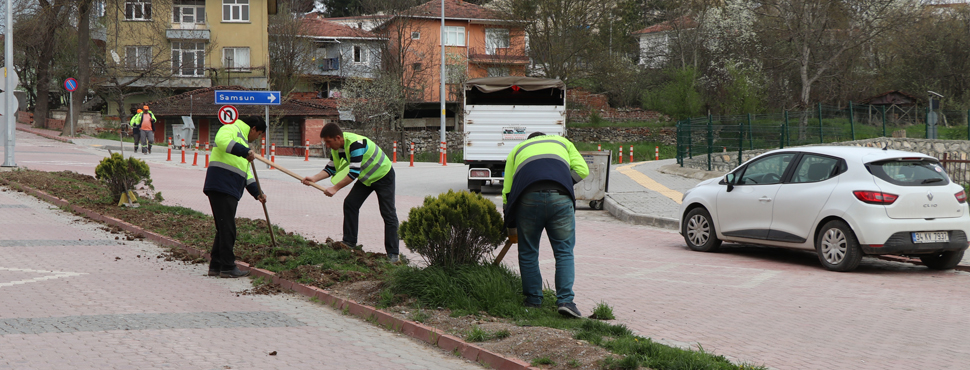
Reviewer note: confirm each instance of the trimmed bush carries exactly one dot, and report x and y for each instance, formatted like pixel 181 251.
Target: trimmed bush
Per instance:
pixel 121 175
pixel 456 228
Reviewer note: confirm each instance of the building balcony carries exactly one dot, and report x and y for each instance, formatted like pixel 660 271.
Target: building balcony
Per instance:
pixel 187 34
pixel 497 56
pixel 328 64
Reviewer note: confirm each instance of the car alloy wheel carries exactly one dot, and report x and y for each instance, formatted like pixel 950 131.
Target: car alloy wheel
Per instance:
pixel 698 231
pixel 837 247
pixel 833 246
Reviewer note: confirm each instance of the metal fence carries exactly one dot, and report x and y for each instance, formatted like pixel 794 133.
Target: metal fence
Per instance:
pixel 825 124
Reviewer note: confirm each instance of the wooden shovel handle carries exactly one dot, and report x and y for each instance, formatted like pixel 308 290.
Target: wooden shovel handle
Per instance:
pixel 288 172
pixel 501 254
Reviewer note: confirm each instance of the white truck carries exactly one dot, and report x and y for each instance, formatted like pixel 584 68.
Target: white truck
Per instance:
pixel 501 112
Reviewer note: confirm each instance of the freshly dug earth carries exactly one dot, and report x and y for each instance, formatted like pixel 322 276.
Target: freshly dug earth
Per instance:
pixel 524 342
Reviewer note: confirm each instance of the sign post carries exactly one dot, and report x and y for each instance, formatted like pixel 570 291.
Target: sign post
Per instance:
pixel 247 97
pixel 8 84
pixel 70 84
pixel 228 114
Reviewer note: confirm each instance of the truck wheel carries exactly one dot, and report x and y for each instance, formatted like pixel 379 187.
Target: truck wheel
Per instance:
pixel 475 186
pixel 596 204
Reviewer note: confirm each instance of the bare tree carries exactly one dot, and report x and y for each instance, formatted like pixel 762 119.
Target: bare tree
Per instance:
pixel 50 18
pixel 83 59
pixel 290 51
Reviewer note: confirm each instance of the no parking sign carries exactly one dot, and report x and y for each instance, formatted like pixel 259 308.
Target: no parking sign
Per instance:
pixel 70 84
pixel 228 114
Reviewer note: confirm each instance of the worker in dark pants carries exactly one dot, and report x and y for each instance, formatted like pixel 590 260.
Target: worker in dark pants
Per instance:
pixel 372 170
pixel 538 195
pixel 229 173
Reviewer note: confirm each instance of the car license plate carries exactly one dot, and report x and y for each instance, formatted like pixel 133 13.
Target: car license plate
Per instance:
pixel 931 237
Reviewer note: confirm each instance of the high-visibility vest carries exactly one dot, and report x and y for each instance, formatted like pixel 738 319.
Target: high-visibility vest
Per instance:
pixel 545 147
pixel 374 164
pixel 226 139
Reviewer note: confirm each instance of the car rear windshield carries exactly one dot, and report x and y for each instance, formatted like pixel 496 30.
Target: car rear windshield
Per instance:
pixel 923 172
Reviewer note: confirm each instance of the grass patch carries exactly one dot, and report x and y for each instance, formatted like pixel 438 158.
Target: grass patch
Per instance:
pixel 543 361
pixel 603 312
pixel 497 291
pixel 477 334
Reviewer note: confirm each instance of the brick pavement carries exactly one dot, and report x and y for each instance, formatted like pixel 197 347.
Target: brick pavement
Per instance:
pixel 759 305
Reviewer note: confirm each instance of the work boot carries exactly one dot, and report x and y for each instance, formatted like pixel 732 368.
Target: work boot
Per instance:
pixel 213 271
pixel 393 258
pixel 234 273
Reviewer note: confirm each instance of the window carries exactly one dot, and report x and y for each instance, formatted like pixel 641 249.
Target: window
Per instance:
pixel 188 11
pixel 498 71
pixel 924 172
pixel 417 67
pixel 767 170
pixel 138 58
pixel 236 59
pixel 360 54
pixel 496 38
pixel 188 59
pixel 235 10
pixel 814 168
pixel 138 10
pixel 415 35
pixel 454 36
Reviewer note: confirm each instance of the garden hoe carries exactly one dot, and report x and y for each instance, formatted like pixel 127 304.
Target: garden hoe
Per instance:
pixel 286 171
pixel 513 238
pixel 268 224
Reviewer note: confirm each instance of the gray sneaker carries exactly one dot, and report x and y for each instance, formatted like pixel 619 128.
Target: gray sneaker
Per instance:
pixel 569 310
pixel 393 258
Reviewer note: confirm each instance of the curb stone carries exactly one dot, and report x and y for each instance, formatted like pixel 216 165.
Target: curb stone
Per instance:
pixel 412 329
pixel 625 214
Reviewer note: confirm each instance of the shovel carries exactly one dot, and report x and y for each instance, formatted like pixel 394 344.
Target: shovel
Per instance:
pixel 268 224
pixel 286 171
pixel 513 234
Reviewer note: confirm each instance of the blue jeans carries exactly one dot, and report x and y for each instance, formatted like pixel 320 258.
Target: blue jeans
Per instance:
pixel 556 214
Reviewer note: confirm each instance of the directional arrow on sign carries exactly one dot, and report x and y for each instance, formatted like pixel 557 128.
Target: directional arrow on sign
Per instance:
pixel 244 97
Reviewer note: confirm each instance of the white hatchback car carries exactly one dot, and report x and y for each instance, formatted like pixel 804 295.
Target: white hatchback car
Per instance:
pixel 842 202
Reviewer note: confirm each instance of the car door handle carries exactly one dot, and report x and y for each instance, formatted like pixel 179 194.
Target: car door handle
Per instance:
pixel 764 199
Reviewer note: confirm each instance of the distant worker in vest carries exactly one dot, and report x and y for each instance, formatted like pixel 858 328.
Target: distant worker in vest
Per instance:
pixel 147 130
pixel 229 173
pixel 538 195
pixel 135 123
pixel 372 169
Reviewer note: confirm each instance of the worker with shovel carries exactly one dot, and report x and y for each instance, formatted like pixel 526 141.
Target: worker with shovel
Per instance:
pixel 372 168
pixel 229 173
pixel 538 194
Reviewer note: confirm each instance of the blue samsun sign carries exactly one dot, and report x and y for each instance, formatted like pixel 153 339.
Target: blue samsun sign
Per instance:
pixel 70 84
pixel 244 97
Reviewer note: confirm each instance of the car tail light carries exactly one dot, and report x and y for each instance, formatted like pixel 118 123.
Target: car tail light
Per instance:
pixel 961 196
pixel 875 197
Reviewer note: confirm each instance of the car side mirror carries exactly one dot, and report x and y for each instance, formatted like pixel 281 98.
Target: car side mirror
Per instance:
pixel 729 180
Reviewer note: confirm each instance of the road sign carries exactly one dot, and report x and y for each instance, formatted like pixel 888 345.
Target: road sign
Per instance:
pixel 70 84
pixel 3 79
pixel 243 97
pixel 228 114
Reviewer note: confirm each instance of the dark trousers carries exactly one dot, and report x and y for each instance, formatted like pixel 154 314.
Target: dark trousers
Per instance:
pixel 385 199
pixel 136 134
pixel 224 214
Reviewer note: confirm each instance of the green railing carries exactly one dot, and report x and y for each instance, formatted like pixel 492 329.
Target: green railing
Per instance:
pixel 707 136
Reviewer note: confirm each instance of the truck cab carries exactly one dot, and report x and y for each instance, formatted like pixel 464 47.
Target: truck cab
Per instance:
pixel 500 113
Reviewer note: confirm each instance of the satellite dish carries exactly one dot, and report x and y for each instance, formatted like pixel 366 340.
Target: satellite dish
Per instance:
pixel 115 57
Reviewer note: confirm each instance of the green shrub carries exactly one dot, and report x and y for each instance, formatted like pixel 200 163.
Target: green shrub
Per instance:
pixel 121 175
pixel 456 228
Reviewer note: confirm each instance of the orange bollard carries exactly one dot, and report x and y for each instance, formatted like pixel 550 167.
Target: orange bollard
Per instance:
pixel 195 157
pixel 262 146
pixel 183 150
pixel 444 153
pixel 272 154
pixel 599 148
pixel 394 157
pixel 412 154
pixel 306 152
pixel 620 157
pixel 656 151
pixel 169 149
pixel 206 154
pixel 631 153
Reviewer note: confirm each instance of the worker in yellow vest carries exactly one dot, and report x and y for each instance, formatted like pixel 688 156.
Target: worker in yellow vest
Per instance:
pixel 229 173
pixel 147 130
pixel 538 195
pixel 372 169
pixel 135 123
